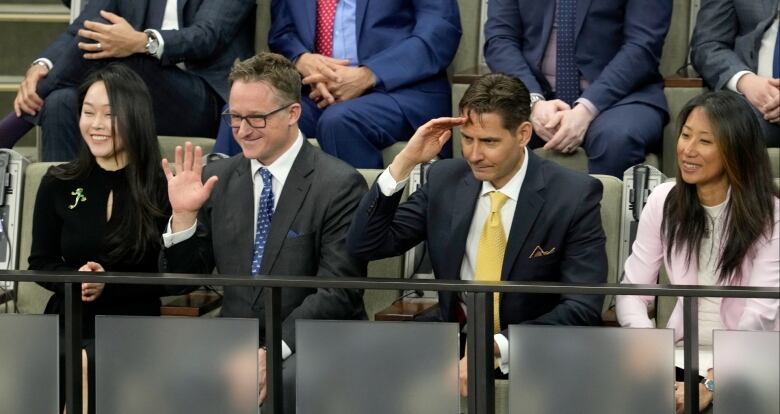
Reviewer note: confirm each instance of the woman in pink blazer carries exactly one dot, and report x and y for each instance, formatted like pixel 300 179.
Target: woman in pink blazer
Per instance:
pixel 719 224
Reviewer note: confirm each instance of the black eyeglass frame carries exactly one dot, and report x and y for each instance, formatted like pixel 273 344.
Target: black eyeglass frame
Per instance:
pixel 250 119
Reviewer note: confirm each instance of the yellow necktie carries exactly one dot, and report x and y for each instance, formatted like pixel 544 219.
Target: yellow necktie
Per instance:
pixel 490 252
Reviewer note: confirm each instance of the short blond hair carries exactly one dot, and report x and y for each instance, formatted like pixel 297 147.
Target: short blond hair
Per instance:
pixel 273 69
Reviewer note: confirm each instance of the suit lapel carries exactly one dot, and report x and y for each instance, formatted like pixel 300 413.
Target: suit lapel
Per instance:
pixel 582 12
pixel 242 222
pixel 309 27
pixel 529 204
pixel 462 213
pixel 290 201
pixel 180 11
pixel 360 14
pixel 547 17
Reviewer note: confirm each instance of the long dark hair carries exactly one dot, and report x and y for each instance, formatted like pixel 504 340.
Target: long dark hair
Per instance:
pixel 749 214
pixel 133 121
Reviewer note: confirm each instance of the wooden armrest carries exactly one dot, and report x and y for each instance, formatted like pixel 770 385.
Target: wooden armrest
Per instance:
pixel 192 304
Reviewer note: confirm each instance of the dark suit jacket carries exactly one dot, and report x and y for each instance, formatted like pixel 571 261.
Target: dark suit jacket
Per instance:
pixel 306 238
pixel 407 44
pixel 618 46
pixel 727 37
pixel 211 36
pixel 557 208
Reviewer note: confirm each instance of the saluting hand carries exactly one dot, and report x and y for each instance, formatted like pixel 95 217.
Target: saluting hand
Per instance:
pixel 425 144
pixel 186 191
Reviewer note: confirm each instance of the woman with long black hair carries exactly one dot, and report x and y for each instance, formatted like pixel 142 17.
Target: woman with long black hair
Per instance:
pixel 106 210
pixel 719 224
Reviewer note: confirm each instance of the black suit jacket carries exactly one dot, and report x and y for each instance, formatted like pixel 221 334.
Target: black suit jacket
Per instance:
pixel 306 238
pixel 557 208
pixel 211 36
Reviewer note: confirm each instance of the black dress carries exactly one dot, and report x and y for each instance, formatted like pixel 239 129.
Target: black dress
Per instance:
pixel 69 229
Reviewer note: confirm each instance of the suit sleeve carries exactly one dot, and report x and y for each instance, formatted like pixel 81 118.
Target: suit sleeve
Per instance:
pixel 636 63
pixel 645 261
pixel 334 261
pixel 585 262
pixel 712 44
pixel 423 53
pixel 214 26
pixel 46 252
pixel 764 314
pixel 64 42
pixel 382 228
pixel 503 43
pixel 283 37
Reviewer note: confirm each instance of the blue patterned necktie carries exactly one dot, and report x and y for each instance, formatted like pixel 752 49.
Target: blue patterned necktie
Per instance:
pixel 265 210
pixel 567 79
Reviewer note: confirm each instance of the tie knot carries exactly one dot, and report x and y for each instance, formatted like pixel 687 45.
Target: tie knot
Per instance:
pixel 497 200
pixel 265 175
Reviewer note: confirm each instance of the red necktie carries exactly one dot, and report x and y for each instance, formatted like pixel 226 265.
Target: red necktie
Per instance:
pixel 326 13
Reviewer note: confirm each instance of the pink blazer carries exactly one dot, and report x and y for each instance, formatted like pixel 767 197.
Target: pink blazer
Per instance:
pixel 649 252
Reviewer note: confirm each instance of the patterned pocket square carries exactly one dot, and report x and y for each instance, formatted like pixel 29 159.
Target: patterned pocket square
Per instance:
pixel 539 252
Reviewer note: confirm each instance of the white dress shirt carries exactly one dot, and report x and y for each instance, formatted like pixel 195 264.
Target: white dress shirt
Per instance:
pixel 279 170
pixel 765 56
pixel 388 186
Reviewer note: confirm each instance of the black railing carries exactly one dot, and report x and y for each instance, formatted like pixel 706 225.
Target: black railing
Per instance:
pixel 479 308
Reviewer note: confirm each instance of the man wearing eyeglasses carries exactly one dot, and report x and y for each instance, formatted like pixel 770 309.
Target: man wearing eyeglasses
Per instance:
pixel 281 207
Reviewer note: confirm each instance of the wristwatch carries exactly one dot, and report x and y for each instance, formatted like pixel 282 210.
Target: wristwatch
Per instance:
pixel 535 97
pixel 152 43
pixel 709 384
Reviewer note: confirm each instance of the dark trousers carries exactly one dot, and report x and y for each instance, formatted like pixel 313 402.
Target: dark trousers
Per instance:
pixel 183 103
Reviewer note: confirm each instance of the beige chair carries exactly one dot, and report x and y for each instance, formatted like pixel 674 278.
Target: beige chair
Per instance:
pixel 168 145
pixel 611 213
pixel 31 298
pixel 774 161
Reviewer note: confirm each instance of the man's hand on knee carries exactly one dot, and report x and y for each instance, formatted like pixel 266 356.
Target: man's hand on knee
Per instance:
pixel 763 93
pixel 543 113
pixel 115 40
pixel 27 99
pixel 572 126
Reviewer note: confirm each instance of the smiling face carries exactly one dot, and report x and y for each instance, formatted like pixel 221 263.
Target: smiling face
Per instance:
pixel 698 153
pixel 280 131
pixel 493 152
pixel 97 129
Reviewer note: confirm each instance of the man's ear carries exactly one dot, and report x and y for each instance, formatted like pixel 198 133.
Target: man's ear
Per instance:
pixel 295 114
pixel 524 132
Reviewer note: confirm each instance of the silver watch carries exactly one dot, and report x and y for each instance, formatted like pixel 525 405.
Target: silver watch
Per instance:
pixel 535 97
pixel 152 43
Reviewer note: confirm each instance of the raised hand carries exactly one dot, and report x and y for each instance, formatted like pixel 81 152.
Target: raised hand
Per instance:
pixel 424 145
pixel 186 191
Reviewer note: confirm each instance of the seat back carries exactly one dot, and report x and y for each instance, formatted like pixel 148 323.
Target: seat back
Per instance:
pixel 168 145
pixel 611 205
pixel 30 297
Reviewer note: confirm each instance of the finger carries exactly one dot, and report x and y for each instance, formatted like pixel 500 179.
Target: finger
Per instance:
pixel 560 105
pixel 774 82
pixel 210 183
pixel 554 121
pixel 443 138
pixel 167 169
pixel 446 122
pixel 17 108
pixel 97 56
pixel 315 78
pixel 111 17
pixel 90 47
pixel 91 35
pixel 555 141
pixel 188 155
pixel 26 108
pixel 329 73
pixel 178 161
pixel 325 93
pixel 323 103
pixel 30 96
pixel 95 27
pixel 197 163
pixel 334 61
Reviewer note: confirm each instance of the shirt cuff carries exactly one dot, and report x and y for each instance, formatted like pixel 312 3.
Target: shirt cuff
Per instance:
pixel 503 350
pixel 589 106
pixel 170 238
pixel 160 42
pixel 45 61
pixel 732 83
pixel 286 351
pixel 387 184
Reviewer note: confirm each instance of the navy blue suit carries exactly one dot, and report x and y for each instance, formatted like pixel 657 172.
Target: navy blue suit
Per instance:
pixel 211 36
pixel 617 50
pixel 407 45
pixel 548 215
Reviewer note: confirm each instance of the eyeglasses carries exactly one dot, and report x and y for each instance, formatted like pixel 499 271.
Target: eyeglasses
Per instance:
pixel 255 121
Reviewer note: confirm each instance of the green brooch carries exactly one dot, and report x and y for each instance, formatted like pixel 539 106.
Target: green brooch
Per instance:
pixel 79 193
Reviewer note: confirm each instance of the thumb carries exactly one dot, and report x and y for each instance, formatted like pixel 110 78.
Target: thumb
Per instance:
pixel 210 183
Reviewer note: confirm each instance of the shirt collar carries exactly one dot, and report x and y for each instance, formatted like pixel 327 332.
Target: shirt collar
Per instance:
pixel 280 168
pixel 512 187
